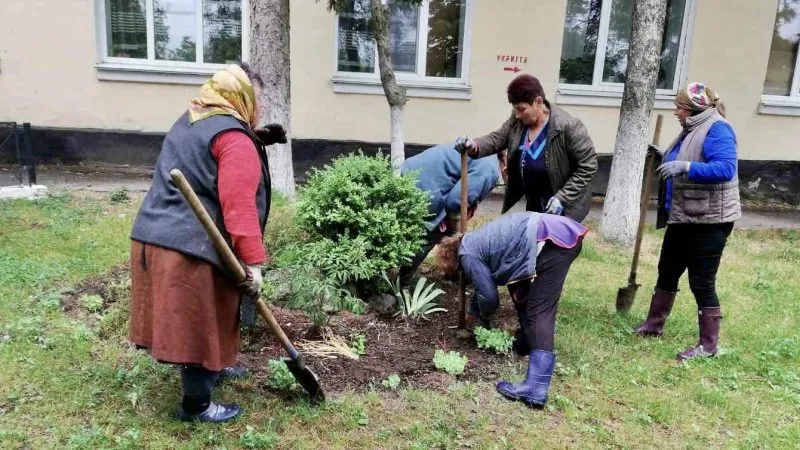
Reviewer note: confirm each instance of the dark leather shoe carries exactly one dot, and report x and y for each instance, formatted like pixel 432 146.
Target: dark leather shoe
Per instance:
pixel 215 413
pixel 232 373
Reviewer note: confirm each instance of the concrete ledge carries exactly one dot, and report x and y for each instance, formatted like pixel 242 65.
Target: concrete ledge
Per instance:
pixel 22 192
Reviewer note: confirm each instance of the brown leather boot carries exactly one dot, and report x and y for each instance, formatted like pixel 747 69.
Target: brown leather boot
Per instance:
pixel 660 307
pixel 709 321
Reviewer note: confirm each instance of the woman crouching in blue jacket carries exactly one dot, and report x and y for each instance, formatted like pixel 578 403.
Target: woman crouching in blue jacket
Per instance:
pixel 531 253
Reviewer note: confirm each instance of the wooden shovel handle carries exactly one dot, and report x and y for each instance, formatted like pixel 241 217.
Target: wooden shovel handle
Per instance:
pixel 227 255
pixel 645 200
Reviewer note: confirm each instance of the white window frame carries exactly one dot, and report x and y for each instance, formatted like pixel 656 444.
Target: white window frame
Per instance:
pixel 602 93
pixel 151 70
pixel 784 105
pixel 416 84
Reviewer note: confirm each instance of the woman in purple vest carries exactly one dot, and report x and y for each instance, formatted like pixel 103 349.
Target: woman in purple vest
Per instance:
pixel 698 202
pixel 531 253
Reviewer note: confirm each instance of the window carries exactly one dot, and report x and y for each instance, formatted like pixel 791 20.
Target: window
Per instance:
pixel 782 81
pixel 178 36
pixel 429 48
pixel 594 52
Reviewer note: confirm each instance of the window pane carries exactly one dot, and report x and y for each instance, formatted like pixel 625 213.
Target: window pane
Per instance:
pixel 579 45
pixel 783 53
pixel 175 33
pixel 222 31
pixel 356 48
pixel 127 28
pixel 403 27
pixel 445 38
pixel 619 35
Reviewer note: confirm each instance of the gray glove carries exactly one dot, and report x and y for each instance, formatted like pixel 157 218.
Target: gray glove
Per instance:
pixel 252 284
pixel 464 144
pixel 673 168
pixel 554 206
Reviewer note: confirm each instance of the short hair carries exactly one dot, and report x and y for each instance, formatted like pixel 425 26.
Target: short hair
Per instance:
pixel 447 254
pixel 524 89
pixel 254 77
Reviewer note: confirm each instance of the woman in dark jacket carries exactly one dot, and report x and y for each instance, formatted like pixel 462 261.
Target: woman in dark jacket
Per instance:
pixel 183 306
pixel 699 202
pixel 531 253
pixel 551 158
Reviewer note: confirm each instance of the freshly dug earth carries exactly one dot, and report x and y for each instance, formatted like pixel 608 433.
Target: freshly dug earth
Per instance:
pixel 393 345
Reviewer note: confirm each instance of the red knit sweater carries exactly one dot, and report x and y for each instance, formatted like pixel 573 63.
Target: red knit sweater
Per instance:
pixel 239 173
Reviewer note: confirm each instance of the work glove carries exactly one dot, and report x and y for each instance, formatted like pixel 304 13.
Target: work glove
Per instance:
pixel 272 133
pixel 554 206
pixel 673 168
pixel 464 144
pixel 654 151
pixel 252 284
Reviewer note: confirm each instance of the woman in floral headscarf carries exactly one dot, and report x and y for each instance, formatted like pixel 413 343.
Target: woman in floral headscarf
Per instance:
pixel 699 202
pixel 183 306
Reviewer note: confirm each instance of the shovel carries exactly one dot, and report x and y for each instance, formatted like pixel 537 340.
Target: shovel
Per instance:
pixel 296 365
pixel 626 295
pixel 462 228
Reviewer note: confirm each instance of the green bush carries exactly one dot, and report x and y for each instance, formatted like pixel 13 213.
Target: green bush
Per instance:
pixel 496 340
pixel 365 218
pixel 282 233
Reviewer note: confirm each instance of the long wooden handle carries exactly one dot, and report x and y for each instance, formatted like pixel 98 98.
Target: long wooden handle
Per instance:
pixel 645 200
pixel 227 255
pixel 462 228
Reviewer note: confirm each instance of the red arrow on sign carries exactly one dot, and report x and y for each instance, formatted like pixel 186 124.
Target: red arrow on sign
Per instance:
pixel 514 69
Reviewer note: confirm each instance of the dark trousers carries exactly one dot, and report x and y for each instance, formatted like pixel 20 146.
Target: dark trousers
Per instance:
pixel 198 383
pixel 698 248
pixel 431 240
pixel 536 300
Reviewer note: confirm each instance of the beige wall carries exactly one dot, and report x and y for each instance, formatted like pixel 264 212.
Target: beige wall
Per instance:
pixel 48 78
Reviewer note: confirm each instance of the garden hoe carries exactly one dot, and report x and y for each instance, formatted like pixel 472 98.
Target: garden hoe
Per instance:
pixel 626 295
pixel 296 365
pixel 462 228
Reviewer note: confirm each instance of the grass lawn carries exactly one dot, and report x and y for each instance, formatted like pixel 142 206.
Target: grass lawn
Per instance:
pixel 67 383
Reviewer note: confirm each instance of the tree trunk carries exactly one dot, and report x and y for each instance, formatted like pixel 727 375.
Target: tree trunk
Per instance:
pixel 395 94
pixel 269 56
pixel 621 206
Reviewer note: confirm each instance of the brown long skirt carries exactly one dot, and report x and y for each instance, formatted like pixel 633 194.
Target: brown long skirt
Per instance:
pixel 182 308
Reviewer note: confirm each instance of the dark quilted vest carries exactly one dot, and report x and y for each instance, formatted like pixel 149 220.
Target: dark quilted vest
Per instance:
pixel 165 219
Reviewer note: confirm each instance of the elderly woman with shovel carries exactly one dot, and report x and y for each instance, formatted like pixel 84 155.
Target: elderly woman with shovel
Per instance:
pixel 699 203
pixel 184 307
pixel 531 253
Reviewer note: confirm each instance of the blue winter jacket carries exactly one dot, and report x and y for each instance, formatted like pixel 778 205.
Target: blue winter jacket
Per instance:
pixel 438 172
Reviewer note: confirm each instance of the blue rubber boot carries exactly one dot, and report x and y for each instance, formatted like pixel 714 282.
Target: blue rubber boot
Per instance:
pixel 532 391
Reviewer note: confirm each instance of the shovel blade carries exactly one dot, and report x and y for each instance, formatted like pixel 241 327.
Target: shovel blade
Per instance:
pixel 625 297
pixel 307 379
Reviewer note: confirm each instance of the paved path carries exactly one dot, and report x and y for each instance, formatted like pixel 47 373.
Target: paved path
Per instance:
pixel 101 179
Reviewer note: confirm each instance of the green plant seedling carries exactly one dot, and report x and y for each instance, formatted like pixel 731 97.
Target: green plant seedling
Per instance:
pixel 451 362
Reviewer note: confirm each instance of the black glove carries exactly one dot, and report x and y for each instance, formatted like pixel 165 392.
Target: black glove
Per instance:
pixel 654 152
pixel 272 133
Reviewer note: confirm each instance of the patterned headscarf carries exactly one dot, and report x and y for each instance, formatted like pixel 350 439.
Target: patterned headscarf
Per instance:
pixel 697 97
pixel 228 92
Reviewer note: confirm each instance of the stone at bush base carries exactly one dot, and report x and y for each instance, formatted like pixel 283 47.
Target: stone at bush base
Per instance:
pixel 383 304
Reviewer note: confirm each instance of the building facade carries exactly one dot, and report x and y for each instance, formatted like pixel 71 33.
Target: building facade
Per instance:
pixel 104 79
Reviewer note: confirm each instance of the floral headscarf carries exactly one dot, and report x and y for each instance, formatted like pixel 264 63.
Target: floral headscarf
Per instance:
pixel 228 92
pixel 697 97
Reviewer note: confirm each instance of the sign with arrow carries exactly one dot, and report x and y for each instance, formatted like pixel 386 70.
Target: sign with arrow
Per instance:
pixel 516 60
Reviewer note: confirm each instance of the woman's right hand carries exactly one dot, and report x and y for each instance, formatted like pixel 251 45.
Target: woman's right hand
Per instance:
pixel 465 144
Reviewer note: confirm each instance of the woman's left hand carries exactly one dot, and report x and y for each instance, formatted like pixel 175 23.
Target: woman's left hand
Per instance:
pixel 554 206
pixel 272 134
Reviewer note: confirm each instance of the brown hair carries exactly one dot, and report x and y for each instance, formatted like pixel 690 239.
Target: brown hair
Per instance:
pixel 447 254
pixel 524 89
